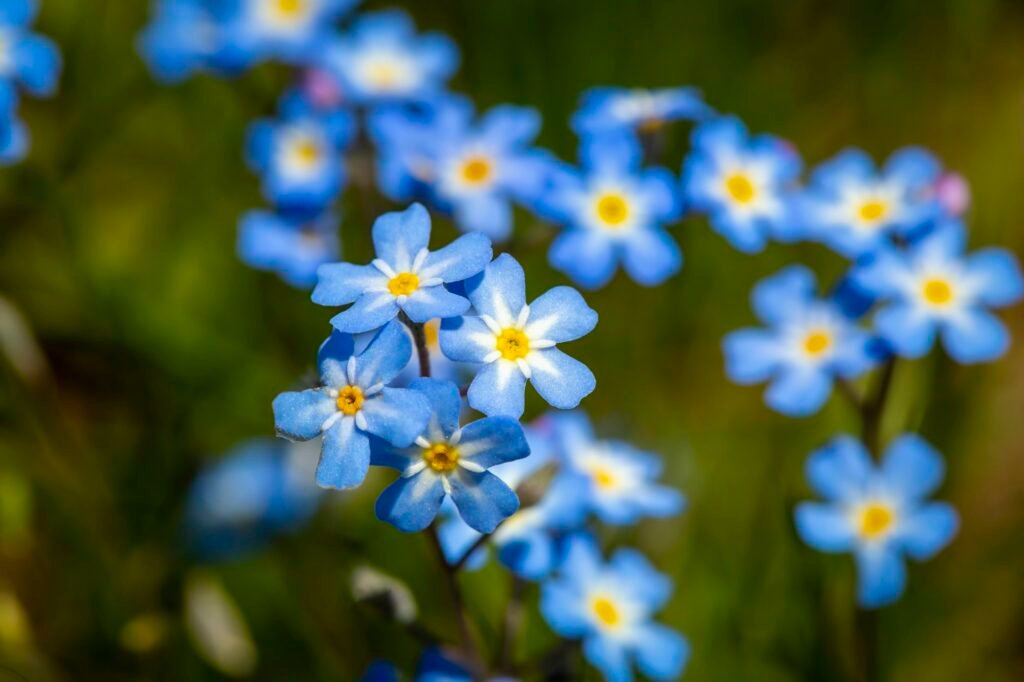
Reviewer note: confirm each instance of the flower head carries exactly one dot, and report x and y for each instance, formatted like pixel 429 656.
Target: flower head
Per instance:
pixel 516 342
pixel 354 403
pixel 877 512
pixel 292 30
pixel 610 606
pixel 604 110
pixel 933 288
pixel 27 60
pixel 809 343
pixel 405 276
pixel 291 246
pixel 745 185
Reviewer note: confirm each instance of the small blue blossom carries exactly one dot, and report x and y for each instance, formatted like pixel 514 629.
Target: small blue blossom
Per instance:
pixel 291 30
pixel 879 513
pixel 293 247
pixel 609 606
pixel 381 59
pixel 614 212
pixel 27 60
pixel 745 185
pixel 405 276
pixel 808 344
pixel 187 36
pixel 933 288
pixel 608 110
pixel 447 460
pixel 354 403
pixel 516 342
pixel 854 209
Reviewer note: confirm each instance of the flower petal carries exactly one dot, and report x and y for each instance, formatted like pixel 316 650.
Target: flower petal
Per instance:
pixel 428 303
pixel 445 407
pixel 841 471
pixel 975 336
pixel 466 339
pixel 411 504
pixel 345 456
pixel 908 329
pixel 463 258
pixel 751 355
pixel 500 290
pixel 995 274
pixel 386 355
pixel 398 415
pixel 651 256
pixel 498 390
pixel 925 531
pixel 559 315
pixel 332 356
pixel 299 415
pixel 343 283
pixel 369 312
pixel 399 236
pixel 561 380
pixel 911 468
pixel 799 391
pixel 826 528
pixel 586 256
pixel 777 298
pixel 482 498
pixel 881 575
pixel 661 653
pixel 492 440
pixel 608 656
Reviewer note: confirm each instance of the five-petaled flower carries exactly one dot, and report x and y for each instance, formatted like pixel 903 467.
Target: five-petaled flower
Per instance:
pixel 354 403
pixel 877 512
pixel 292 246
pixel 516 342
pixel 405 276
pixel 637 110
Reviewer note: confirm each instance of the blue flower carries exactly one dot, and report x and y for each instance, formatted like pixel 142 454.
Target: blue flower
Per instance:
pixel 381 59
pixel 744 184
pixel 473 171
pixel 604 109
pixel 609 606
pixel 808 344
pixel 932 288
pixel 516 342
pixel 447 460
pixel 13 139
pixel 292 30
pixel 187 36
pixel 614 212
pixel 877 512
pixel 299 156
pixel 260 488
pixel 353 404
pixel 291 246
pixel 618 479
pixel 27 60
pixel 854 209
pixel 405 276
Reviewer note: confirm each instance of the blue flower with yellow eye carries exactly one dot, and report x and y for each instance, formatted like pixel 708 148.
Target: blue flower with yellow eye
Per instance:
pixel 299 156
pixel 932 288
pixel 405 276
pixel 607 110
pixel 516 342
pixel 291 30
pixel 610 607
pixel 854 208
pixel 472 170
pixel 879 513
pixel 745 185
pixel 447 460
pixel 292 246
pixel 808 344
pixel 613 212
pixel 353 403
pixel 381 59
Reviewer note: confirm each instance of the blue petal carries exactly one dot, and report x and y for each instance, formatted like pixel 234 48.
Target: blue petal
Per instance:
pixel 582 560
pixel 912 468
pixel 561 380
pixel 489 214
pixel 586 256
pixel 778 298
pixel 37 62
pixel 482 498
pixel 560 314
pixel 369 312
pixel 399 236
pixel 428 303
pixel 498 390
pixel 332 357
pixel 299 416
pixel 259 144
pixel 925 531
pixel 466 339
pixel 463 258
pixel 661 501
pixel 881 575
pixel 651 256
pixel 849 165
pixel 608 656
pixel 826 528
pixel 996 274
pixel 529 555
pixel 398 415
pixel 799 391
pixel 492 441
pixel 411 504
pixel 456 539
pixel 508 125
pixel 661 653
pixel 908 329
pixel 18 12
pixel 562 606
pixel 612 153
pixel 343 283
pixel 635 576
pixel 388 353
pixel 661 193
pixel 345 456
pixel 751 355
pixel 500 290
pixel 841 471
pixel 725 133
pixel 445 405
pixel 975 336
pixel 913 166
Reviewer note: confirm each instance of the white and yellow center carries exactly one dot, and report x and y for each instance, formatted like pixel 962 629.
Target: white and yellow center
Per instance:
pixel 873 211
pixel 513 344
pixel 874 520
pixel 385 72
pixel 287 12
pixel 612 209
pixel 816 343
pixel 350 400
pixel 304 152
pixel 740 188
pixel 476 170
pixel 441 458
pixel 937 292
pixel 604 478
pixel 606 612
pixel 404 284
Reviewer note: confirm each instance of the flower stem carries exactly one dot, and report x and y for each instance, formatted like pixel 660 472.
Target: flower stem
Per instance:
pixel 420 338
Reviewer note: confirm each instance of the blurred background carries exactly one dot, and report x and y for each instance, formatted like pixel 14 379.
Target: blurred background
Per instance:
pixel 137 349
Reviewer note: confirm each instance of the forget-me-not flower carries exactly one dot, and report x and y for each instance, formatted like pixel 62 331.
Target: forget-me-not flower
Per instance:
pixel 745 185
pixel 27 60
pixel 405 276
pixel 293 247
pixel 448 460
pixel 292 30
pixel 606 109
pixel 614 212
pixel 854 208
pixel 610 607
pixel 877 512
pixel 186 36
pixel 808 344
pixel 354 403
pixel 933 288
pixel 516 342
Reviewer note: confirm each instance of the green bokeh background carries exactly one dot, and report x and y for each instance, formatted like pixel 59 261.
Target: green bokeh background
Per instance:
pixel 162 350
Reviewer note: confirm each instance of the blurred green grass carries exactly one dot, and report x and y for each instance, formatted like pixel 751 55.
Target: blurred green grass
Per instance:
pixel 117 245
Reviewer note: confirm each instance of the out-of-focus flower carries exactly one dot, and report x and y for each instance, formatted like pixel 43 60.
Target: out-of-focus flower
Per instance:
pixel 405 276
pixel 186 36
pixel 745 185
pixel 291 30
pixel 610 606
pixel 877 512
pixel 854 208
pixel 382 59
pixel 613 212
pixel 933 288
pixel 516 342
pixel 808 344
pixel 354 403
pixel 605 109
pixel 291 246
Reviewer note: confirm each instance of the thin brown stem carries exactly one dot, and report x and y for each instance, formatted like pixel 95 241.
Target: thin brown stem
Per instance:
pixel 420 339
pixel 467 645
pixel 457 566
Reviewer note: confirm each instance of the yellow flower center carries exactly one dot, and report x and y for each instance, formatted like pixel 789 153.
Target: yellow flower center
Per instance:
pixel 384 75
pixel 603 478
pixel 441 457
pixel 350 400
pixel 513 344
pixel 872 211
pixel 403 284
pixel 817 342
pixel 740 188
pixel 290 8
pixel 307 152
pixel 875 519
pixel 476 170
pixel 612 209
pixel 937 291
pixel 605 611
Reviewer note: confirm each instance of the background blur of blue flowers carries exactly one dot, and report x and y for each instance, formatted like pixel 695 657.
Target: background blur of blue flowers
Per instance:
pixel 138 350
